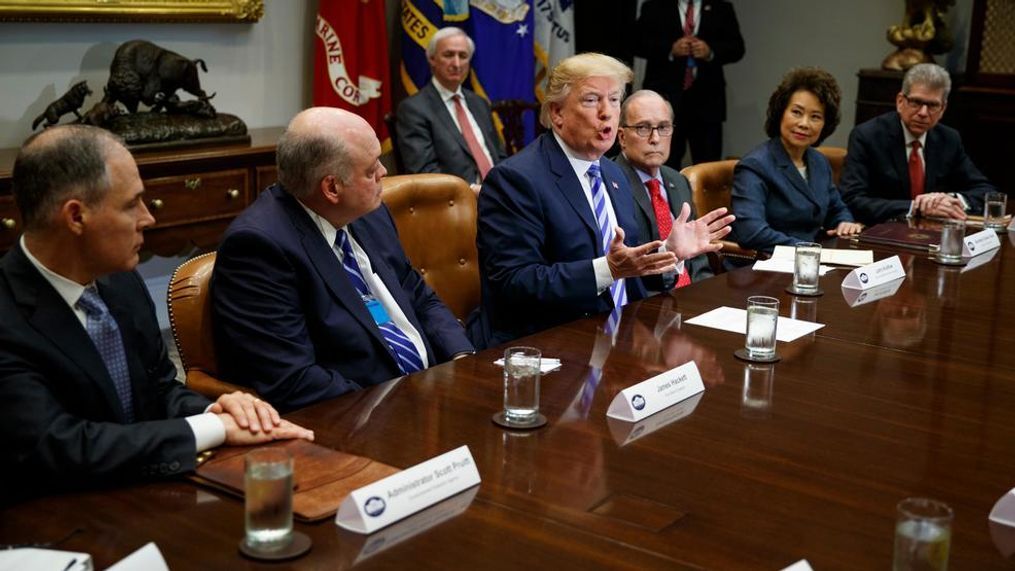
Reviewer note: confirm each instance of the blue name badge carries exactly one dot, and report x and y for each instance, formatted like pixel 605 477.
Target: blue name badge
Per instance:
pixel 376 310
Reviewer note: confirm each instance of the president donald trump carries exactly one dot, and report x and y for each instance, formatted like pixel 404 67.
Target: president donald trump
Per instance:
pixel 557 234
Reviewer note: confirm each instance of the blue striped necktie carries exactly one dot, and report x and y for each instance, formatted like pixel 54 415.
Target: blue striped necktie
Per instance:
pixel 405 352
pixel 617 290
pixel 105 333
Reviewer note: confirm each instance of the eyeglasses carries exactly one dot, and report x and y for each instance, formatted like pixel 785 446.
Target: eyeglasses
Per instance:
pixel 916 104
pixel 664 130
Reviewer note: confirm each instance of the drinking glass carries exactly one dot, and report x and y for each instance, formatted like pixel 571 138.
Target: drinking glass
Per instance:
pixel 952 233
pixel 805 267
pixel 521 384
pixel 994 206
pixel 268 494
pixel 762 317
pixel 922 535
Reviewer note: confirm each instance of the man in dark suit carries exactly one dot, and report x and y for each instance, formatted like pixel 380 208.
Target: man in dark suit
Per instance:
pixel 646 127
pixel 905 163
pixel 686 44
pixel 312 295
pixel 557 236
pixel 87 391
pixel 436 132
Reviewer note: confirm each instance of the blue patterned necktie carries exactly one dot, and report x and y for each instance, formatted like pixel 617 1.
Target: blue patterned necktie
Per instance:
pixel 617 290
pixel 105 334
pixel 406 354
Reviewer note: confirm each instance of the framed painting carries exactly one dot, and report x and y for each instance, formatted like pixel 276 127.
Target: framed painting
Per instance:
pixel 131 10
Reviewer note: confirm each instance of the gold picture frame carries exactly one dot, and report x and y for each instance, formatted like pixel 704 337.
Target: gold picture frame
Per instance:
pixel 245 11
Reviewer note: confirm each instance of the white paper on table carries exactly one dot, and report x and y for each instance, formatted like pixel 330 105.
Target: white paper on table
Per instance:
pixel 784 266
pixel 35 558
pixel 148 558
pixel 545 364
pixel 735 321
pixel 801 565
pixel 837 256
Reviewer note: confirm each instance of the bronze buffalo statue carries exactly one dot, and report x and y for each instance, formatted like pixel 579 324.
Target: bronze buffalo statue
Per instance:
pixel 143 72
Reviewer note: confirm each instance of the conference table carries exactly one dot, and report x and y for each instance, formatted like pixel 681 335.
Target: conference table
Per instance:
pixel 910 395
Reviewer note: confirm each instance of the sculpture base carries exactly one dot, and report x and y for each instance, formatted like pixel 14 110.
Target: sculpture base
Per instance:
pixel 147 131
pixel 903 59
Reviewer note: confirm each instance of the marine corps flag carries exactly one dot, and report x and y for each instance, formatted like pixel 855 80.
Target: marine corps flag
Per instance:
pixel 351 61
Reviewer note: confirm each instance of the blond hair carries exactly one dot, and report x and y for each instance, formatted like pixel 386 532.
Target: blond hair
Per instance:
pixel 578 68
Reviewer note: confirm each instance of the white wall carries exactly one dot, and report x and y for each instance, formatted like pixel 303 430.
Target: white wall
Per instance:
pixel 261 71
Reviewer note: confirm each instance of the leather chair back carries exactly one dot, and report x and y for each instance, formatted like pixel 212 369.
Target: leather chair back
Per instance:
pixel 711 188
pixel 837 157
pixel 436 219
pixel 190 317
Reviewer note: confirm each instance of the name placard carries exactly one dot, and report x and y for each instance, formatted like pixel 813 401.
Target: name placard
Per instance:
pixel 624 432
pixel 977 261
pixel 980 242
pixel 856 297
pixel 880 272
pixel 1004 509
pixel 649 397
pixel 400 495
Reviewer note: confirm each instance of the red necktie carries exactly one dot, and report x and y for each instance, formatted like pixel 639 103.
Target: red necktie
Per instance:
pixel 478 155
pixel 915 171
pixel 689 31
pixel 664 222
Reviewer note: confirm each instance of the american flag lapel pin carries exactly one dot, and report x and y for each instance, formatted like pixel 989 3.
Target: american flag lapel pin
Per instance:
pixel 615 186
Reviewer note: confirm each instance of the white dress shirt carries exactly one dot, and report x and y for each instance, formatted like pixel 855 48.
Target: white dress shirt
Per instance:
pixel 449 104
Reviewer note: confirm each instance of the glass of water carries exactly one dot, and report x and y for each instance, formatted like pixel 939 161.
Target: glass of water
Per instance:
pixel 952 234
pixel 994 206
pixel 268 495
pixel 922 535
pixel 805 267
pixel 521 384
pixel 762 317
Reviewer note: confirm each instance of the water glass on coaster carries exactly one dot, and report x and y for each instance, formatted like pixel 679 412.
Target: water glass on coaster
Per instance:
pixel 994 206
pixel 806 265
pixel 950 250
pixel 762 318
pixel 521 389
pixel 922 535
pixel 268 499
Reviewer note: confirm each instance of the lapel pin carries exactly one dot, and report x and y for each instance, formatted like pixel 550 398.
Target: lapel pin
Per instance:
pixel 615 187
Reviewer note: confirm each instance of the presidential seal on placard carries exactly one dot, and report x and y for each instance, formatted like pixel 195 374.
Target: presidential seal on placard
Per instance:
pixel 638 402
pixel 504 11
pixel 374 506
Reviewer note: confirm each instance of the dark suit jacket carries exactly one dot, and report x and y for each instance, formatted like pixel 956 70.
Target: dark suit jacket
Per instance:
pixel 537 238
pixel 289 323
pixel 678 191
pixel 775 205
pixel 875 180
pixel 659 26
pixel 61 419
pixel 429 141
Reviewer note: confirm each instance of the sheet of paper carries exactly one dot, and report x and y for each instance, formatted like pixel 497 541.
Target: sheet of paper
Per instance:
pixel 147 558
pixel 784 266
pixel 735 321
pixel 837 256
pixel 35 558
pixel 546 364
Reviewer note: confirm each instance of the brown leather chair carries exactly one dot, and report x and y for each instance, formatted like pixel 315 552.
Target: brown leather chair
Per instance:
pixel 436 219
pixel 837 157
pixel 190 317
pixel 711 187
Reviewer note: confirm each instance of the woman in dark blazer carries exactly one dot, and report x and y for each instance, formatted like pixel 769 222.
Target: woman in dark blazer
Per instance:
pixel 782 190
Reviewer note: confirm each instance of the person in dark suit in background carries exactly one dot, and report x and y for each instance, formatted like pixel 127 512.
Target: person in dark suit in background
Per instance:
pixel 686 44
pixel 88 394
pixel 436 131
pixel 557 236
pixel 660 192
pixel 903 163
pixel 312 295
pixel 782 190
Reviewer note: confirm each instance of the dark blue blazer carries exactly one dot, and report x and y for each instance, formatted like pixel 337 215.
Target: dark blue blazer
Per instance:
pixel 775 205
pixel 537 238
pixel 290 324
pixel 875 180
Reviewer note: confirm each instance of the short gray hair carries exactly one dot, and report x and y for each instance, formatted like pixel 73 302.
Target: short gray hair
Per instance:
pixel 929 75
pixel 58 164
pixel 642 94
pixel 579 68
pixel 305 159
pixel 448 32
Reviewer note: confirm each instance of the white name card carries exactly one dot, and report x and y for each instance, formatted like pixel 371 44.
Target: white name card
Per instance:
pixel 856 297
pixel 624 432
pixel 400 495
pixel 1001 523
pixel 880 272
pixel 649 397
pixel 801 565
pixel 980 242
pixel 977 261
pixel 1004 510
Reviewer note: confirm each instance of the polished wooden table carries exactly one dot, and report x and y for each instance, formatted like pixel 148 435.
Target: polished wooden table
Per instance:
pixel 913 395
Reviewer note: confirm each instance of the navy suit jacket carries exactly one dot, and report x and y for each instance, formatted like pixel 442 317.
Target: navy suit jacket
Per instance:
pixel 775 205
pixel 537 238
pixel 62 422
pixel 678 191
pixel 875 180
pixel 290 324
pixel 429 141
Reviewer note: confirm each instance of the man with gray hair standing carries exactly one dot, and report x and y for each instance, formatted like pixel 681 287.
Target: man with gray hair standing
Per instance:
pixel 444 128
pixel 312 294
pixel 904 163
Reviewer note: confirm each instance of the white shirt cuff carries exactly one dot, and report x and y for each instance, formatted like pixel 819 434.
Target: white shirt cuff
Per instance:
pixel 911 205
pixel 604 277
pixel 962 199
pixel 209 431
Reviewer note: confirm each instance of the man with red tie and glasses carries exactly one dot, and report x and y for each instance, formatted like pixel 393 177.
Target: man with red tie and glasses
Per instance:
pixel 903 163
pixel 646 129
